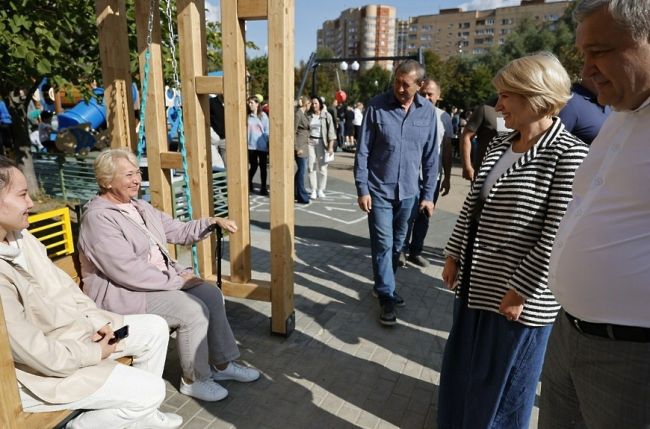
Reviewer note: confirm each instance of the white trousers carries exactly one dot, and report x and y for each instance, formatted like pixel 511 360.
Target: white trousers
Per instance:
pixel 131 392
pixel 317 166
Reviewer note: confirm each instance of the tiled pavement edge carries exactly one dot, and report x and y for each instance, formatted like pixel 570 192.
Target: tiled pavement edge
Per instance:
pixel 340 368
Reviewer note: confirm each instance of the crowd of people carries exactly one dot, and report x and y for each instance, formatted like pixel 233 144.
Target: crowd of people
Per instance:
pixel 547 259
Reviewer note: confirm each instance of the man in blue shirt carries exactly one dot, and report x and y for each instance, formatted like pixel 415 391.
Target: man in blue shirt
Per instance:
pixel 398 136
pixel 583 115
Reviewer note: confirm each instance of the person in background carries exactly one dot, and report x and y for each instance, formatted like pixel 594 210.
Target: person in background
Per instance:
pixel 332 111
pixel 497 258
pixel 126 268
pixel 217 116
pixel 322 137
pixel 358 118
pixel 258 143
pixel 340 128
pixel 583 115
pixel 301 149
pixel 6 136
pixel 484 124
pixel 419 221
pixel 597 368
pixel 398 139
pixel 61 343
pixel 350 141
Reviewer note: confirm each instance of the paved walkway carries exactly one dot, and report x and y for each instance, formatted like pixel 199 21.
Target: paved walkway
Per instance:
pixel 340 368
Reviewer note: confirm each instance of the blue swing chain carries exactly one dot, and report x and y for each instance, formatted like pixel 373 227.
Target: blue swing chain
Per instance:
pixel 181 129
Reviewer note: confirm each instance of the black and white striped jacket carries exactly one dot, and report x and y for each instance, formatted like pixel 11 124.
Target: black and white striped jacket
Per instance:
pixel 518 223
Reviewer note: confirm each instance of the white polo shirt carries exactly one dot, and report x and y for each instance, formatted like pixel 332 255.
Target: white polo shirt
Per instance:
pixel 600 264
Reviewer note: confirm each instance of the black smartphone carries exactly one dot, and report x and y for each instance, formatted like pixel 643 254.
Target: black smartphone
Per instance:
pixel 120 334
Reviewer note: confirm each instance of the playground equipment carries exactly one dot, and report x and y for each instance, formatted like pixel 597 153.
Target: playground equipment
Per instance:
pixel 196 86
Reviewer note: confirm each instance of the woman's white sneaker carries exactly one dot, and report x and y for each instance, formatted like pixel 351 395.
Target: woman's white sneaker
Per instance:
pixel 236 372
pixel 206 390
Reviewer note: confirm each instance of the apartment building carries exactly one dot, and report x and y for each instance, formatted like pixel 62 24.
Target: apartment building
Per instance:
pixel 457 32
pixel 367 31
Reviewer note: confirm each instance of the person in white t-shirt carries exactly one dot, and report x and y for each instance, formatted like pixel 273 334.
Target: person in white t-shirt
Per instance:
pixel 597 369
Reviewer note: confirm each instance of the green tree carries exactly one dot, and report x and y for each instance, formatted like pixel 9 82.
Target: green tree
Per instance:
pixel 258 69
pixel 53 39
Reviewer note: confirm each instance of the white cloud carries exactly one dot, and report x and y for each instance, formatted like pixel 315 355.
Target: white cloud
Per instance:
pixel 488 4
pixel 492 4
pixel 212 10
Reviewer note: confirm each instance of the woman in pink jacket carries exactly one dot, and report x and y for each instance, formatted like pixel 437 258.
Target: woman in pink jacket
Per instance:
pixel 126 269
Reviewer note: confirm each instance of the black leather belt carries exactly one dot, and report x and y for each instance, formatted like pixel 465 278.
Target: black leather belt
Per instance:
pixel 613 332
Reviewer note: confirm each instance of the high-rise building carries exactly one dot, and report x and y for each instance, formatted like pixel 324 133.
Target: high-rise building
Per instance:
pixel 367 31
pixel 457 32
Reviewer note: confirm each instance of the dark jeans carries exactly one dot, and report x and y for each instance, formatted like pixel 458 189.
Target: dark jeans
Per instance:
pixel 418 226
pixel 300 192
pixel 257 158
pixel 340 135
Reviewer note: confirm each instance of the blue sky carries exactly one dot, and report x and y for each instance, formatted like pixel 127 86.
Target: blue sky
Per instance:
pixel 310 15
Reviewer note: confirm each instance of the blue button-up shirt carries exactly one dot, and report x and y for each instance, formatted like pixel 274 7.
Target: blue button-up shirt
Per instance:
pixel 392 146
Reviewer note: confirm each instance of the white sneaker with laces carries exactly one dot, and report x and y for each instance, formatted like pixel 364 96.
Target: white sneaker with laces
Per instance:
pixel 321 194
pixel 237 372
pixel 205 390
pixel 158 420
pixel 312 195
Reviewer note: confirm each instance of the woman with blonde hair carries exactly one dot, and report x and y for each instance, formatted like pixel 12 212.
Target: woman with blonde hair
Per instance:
pixel 126 268
pixel 498 255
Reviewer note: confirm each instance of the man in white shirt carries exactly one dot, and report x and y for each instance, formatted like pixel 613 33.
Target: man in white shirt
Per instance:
pixel 597 367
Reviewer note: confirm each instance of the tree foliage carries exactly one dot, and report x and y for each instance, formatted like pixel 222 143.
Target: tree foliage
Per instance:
pixel 466 81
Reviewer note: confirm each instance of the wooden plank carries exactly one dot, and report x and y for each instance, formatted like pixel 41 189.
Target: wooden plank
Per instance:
pixel 45 420
pixel 232 36
pixel 193 62
pixel 69 266
pixel 252 9
pixel 10 405
pixel 281 59
pixel 155 122
pixel 116 71
pixel 169 160
pixel 209 84
pixel 259 290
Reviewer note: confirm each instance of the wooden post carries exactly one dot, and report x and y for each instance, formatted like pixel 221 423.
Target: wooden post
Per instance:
pixel 234 82
pixel 281 60
pixel 155 124
pixel 193 62
pixel 114 54
pixel 10 406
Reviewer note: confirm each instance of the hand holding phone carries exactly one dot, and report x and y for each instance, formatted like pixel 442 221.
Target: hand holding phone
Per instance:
pixel 119 335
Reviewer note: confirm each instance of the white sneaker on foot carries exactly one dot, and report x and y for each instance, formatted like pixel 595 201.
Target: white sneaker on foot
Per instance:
pixel 206 390
pixel 312 195
pixel 158 420
pixel 321 194
pixel 237 372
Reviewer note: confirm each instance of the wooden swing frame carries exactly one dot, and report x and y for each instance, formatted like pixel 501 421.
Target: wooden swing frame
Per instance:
pixel 196 86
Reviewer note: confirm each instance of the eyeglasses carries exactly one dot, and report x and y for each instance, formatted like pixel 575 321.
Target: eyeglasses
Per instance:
pixel 131 174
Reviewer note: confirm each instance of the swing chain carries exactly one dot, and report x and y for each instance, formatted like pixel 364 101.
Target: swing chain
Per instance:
pixel 172 43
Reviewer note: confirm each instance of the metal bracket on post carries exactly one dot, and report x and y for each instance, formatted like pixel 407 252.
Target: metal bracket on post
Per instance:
pixel 289 326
